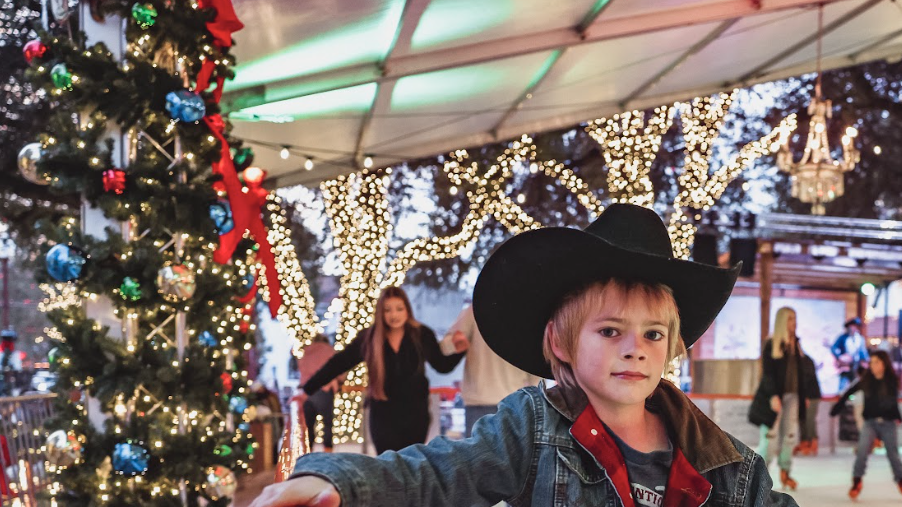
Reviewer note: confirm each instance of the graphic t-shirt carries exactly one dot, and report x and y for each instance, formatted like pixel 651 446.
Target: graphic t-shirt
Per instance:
pixel 648 472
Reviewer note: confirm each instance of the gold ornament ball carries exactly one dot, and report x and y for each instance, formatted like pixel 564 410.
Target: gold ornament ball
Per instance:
pixel 176 282
pixel 221 483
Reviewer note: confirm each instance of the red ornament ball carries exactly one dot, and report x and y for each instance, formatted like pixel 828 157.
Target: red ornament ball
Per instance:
pixel 226 383
pixel 114 181
pixel 34 49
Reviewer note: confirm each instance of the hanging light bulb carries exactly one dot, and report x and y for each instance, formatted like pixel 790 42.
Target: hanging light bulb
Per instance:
pixel 285 153
pixel 253 176
pixel 308 164
pixel 368 162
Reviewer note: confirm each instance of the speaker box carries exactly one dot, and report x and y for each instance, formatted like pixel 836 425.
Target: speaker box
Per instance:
pixel 704 249
pixel 745 250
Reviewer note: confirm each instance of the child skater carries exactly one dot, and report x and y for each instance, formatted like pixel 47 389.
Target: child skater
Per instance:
pixel 880 387
pixel 601 311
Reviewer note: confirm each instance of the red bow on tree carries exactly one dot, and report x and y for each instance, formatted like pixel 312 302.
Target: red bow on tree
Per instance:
pixel 221 28
pixel 246 202
pixel 225 23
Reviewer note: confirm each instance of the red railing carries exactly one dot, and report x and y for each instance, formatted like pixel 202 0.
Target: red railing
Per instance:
pixel 22 470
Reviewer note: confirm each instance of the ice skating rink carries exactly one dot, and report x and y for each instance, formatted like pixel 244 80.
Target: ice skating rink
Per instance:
pixel 824 480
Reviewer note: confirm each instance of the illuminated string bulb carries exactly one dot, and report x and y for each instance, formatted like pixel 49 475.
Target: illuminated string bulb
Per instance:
pixel 629 146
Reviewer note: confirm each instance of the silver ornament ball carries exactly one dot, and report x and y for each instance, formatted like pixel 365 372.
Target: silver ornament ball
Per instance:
pixel 28 159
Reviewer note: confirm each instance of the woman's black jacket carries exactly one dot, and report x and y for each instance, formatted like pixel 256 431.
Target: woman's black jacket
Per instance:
pixel 773 378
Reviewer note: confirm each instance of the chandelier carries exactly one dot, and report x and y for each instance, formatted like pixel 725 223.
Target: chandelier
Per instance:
pixel 818 178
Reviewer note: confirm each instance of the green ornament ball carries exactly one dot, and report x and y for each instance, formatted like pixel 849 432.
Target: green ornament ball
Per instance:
pixel 250 449
pixel 130 290
pixel 223 450
pixel 243 158
pixel 144 14
pixel 61 76
pixel 53 356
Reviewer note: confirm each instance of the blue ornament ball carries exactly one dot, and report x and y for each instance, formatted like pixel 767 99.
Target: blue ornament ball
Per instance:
pixel 221 213
pixel 207 339
pixel 247 282
pixel 237 404
pixel 130 459
pixel 64 263
pixel 185 105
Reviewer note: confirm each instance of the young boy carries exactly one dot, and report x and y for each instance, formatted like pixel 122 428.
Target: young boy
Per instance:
pixel 601 311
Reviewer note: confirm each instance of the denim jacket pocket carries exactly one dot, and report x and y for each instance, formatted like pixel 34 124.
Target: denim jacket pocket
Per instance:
pixel 588 473
pixel 581 482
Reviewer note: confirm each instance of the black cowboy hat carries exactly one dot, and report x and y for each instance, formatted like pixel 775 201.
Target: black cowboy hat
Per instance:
pixel 525 280
pixel 855 321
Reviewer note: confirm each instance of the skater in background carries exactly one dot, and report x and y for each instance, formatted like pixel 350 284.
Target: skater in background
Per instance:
pixel 880 387
pixel 778 405
pixel 812 392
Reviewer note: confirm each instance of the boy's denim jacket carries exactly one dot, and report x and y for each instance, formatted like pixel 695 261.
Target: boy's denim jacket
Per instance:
pixel 526 454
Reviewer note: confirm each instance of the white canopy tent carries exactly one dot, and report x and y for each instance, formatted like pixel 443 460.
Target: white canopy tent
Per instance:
pixel 338 80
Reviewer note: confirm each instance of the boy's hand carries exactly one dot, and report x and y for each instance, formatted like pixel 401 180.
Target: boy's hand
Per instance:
pixel 306 491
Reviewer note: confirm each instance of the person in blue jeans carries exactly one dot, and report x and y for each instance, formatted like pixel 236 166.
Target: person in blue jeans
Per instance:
pixel 880 387
pixel 602 311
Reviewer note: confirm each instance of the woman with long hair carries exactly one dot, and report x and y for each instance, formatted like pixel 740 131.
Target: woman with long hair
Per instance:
pixel 778 405
pixel 880 387
pixel 395 349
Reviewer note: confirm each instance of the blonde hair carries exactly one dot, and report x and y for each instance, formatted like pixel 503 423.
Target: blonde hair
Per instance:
pixel 374 345
pixel 564 327
pixel 781 337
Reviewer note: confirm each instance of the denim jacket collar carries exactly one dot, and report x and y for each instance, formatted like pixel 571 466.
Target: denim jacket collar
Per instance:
pixel 704 445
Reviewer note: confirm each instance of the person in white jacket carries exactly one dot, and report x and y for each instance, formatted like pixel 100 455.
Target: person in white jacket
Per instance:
pixel 487 379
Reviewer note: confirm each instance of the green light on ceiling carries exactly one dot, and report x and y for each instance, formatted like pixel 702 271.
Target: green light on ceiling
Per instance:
pixel 344 100
pixel 448 20
pixel 363 41
pixel 546 67
pixel 447 86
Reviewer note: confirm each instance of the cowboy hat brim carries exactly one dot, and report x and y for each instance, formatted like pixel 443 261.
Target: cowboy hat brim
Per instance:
pixel 525 280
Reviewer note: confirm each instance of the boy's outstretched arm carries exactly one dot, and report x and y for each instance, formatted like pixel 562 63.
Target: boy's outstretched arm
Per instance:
pixel 492 466
pixel 306 491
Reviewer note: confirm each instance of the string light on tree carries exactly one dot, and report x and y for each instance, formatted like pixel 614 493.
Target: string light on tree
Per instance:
pixel 706 190
pixel 298 313
pixel 629 146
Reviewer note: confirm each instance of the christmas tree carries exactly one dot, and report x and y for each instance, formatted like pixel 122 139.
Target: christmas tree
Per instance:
pixel 153 280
